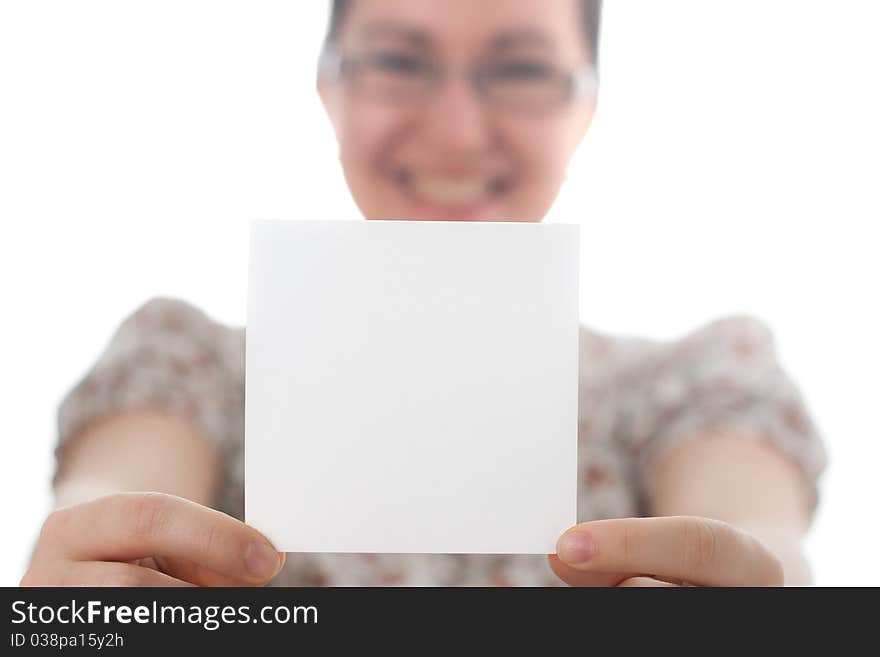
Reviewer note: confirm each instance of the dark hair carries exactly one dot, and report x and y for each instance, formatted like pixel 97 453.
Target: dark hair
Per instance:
pixel 591 14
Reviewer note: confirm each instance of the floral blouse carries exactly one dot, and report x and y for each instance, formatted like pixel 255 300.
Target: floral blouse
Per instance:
pixel 637 399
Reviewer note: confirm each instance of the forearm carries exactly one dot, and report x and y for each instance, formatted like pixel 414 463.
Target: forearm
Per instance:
pixel 137 451
pixel 743 482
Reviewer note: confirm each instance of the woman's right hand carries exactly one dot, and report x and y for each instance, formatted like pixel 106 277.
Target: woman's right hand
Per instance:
pixel 149 539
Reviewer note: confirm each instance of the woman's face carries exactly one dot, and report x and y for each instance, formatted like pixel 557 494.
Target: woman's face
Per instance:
pixel 418 145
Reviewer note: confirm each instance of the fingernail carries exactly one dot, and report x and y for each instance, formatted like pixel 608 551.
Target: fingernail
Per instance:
pixel 575 547
pixel 261 560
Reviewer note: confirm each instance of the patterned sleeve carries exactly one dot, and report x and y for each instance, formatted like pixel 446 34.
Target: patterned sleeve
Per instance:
pixel 169 355
pixel 724 377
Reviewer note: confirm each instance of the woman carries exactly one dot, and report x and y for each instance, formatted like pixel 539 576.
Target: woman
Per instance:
pixel 698 461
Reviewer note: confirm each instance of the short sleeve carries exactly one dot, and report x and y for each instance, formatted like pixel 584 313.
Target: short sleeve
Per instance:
pixel 724 377
pixel 172 356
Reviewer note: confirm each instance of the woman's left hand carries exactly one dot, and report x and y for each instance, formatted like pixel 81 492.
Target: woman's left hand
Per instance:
pixel 663 551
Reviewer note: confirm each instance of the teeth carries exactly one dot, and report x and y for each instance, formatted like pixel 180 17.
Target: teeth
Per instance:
pixel 443 190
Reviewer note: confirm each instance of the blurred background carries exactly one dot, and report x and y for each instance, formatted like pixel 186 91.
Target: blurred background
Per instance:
pixel 732 167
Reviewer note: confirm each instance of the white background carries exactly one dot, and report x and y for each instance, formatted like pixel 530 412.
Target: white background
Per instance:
pixel 732 167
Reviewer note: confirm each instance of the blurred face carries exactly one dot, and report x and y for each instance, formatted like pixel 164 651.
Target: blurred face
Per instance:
pixel 455 110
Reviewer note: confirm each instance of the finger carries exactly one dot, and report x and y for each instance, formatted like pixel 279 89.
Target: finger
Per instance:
pixel 101 573
pixel 647 582
pixel 698 550
pixel 129 526
pixel 575 577
pixel 197 574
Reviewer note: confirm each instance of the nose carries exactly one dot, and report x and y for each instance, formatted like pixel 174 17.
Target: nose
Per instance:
pixel 455 120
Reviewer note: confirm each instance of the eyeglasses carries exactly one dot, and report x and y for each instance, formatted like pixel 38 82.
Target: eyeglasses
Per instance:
pixel 515 86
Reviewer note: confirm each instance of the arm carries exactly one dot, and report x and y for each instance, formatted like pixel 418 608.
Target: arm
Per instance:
pixel 157 411
pixel 730 511
pixel 151 416
pixel 137 451
pixel 744 482
pixel 726 459
pixel 102 535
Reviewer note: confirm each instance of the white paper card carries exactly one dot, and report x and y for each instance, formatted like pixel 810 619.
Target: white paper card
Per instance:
pixel 412 386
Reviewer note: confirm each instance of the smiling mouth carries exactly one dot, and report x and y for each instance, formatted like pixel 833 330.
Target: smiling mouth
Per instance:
pixel 453 190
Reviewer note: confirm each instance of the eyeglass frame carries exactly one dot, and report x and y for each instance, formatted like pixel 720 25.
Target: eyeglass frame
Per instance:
pixel 583 81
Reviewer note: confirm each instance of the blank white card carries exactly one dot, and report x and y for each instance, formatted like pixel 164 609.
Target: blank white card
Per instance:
pixel 412 386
